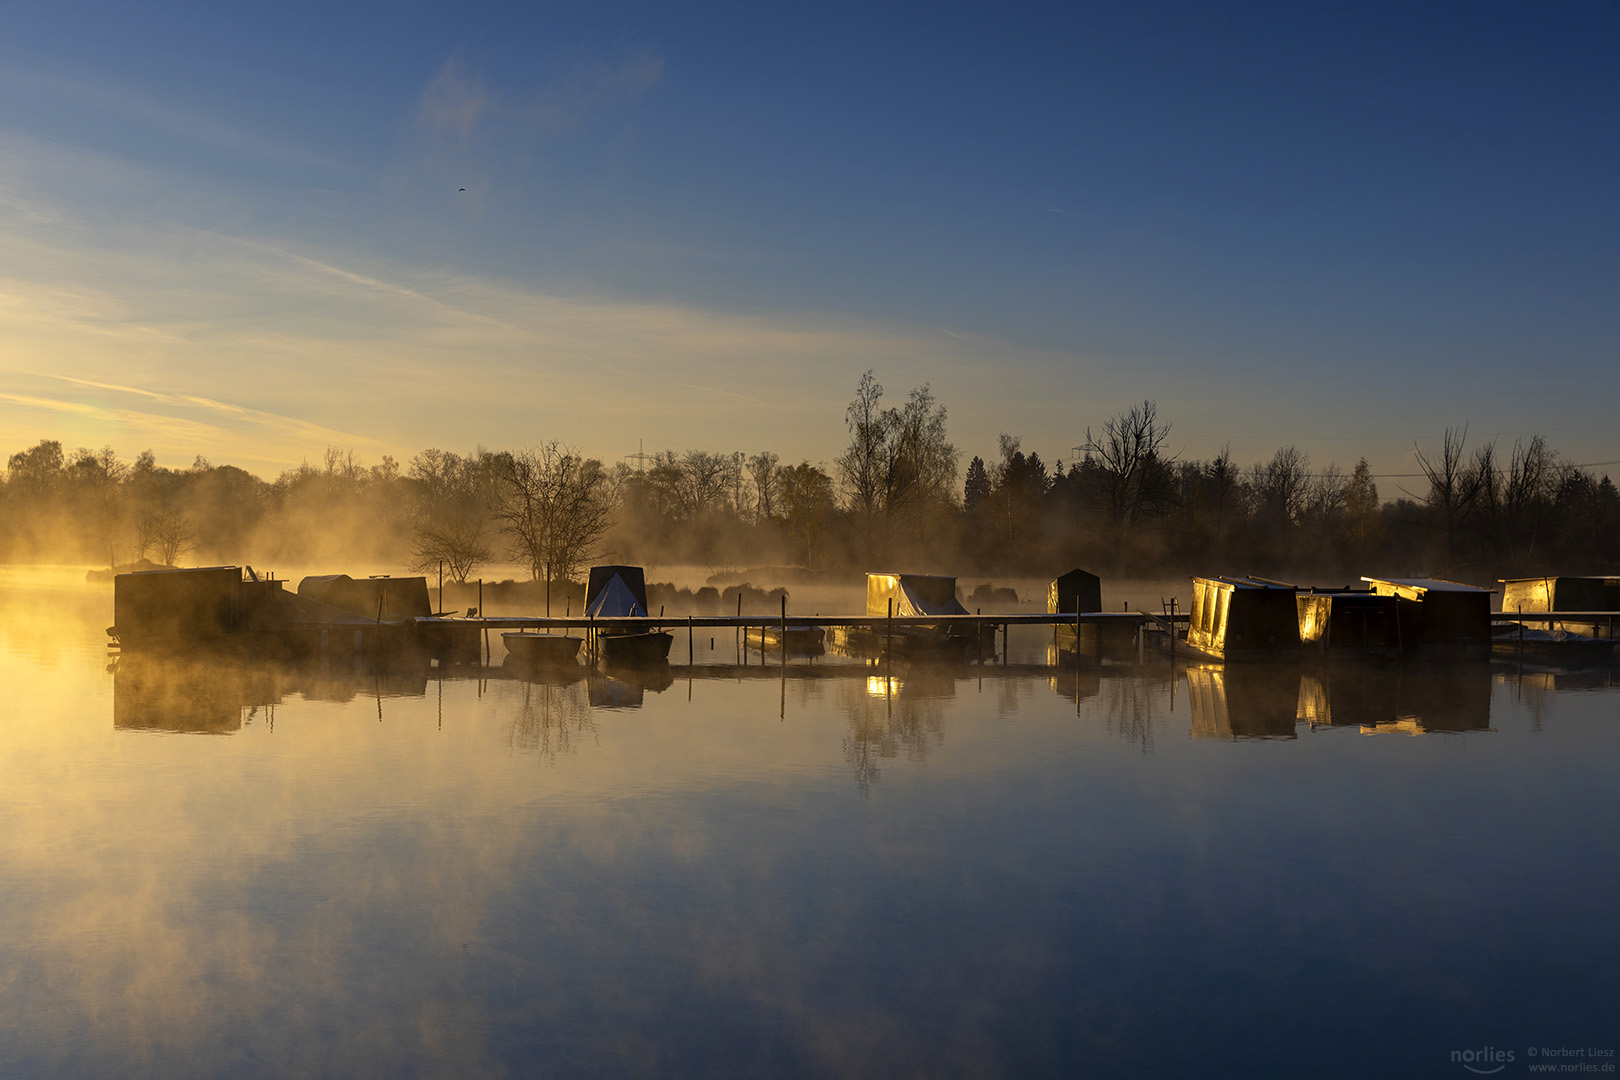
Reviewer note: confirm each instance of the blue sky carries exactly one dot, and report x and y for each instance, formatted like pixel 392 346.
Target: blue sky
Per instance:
pixel 240 232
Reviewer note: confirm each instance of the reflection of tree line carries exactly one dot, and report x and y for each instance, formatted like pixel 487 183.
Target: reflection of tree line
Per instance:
pixel 551 719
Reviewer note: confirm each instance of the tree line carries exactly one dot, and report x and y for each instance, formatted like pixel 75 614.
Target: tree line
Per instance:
pixel 897 497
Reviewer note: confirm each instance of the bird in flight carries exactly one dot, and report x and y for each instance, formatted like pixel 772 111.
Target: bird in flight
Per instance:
pixel 463 189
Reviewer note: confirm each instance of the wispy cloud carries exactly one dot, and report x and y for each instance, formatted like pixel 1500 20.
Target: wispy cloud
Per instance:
pixel 453 101
pixel 186 123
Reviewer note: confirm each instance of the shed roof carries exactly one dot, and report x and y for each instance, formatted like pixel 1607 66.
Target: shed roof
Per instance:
pixel 1426 584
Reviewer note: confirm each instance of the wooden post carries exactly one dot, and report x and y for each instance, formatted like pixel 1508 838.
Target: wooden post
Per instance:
pixel 783 642
pixel 441 584
pixel 1006 629
pixel 978 635
pixel 689 649
pixel 1076 639
pixel 888 634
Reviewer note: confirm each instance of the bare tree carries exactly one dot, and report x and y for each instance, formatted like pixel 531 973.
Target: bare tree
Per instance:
pixel 166 532
pixel 554 510
pixel 763 468
pixel 1453 488
pixel 899 470
pixel 1133 476
pixel 1528 493
pixel 450 518
pixel 98 476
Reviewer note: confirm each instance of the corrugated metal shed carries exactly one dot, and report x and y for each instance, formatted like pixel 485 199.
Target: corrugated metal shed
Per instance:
pixel 1439 620
pixel 1243 618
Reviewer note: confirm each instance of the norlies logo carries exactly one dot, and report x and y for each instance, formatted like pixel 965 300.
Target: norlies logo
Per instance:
pixel 1484 1061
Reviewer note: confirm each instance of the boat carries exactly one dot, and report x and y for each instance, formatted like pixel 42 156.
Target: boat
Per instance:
pixel 910 596
pixel 542 650
pixel 636 647
pixel 620 592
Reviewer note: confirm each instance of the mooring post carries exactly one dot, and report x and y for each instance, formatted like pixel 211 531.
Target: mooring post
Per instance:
pixel 1172 632
pixel 783 642
pixel 689 649
pixel 978 634
pixel 1076 637
pixel 1006 629
pixel 888 634
pixel 1521 632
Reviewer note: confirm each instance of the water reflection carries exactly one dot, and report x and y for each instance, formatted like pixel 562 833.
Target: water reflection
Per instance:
pixel 1243 701
pixel 216 695
pixel 1267 702
pixel 552 717
pixel 894 715
pixel 1408 699
pixel 707 893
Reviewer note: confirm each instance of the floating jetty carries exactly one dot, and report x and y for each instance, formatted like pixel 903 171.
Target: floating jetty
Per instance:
pixel 234 608
pixel 237 610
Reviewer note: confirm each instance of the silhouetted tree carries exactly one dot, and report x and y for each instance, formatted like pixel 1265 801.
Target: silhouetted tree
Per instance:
pixel 553 510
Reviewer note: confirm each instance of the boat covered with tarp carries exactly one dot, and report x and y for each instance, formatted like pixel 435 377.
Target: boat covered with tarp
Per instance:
pixel 915 596
pixel 620 592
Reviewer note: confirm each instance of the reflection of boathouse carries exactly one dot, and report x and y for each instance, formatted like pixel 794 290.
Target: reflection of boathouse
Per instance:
pixel 1400 699
pixel 1439 620
pixel 1243 619
pixel 1243 702
pixel 153 692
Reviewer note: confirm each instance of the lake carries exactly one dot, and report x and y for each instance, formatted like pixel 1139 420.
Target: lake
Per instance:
pixel 243 869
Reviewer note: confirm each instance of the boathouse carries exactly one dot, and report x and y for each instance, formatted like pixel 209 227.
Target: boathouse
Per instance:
pixel 1437 619
pixel 1244 618
pixel 1583 594
pixel 1349 623
pixel 1074 592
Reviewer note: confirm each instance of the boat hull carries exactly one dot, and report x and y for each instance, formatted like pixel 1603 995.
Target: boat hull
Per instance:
pixel 651 647
pixel 543 650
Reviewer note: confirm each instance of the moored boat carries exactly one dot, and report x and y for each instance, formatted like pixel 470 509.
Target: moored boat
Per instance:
pixel 542 650
pixel 620 592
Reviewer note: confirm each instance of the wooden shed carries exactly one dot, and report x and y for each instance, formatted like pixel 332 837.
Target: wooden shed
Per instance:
pixel 1075 591
pixel 1439 620
pixel 1244 618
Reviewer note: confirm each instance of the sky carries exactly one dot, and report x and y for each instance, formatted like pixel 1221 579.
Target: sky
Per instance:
pixel 250 232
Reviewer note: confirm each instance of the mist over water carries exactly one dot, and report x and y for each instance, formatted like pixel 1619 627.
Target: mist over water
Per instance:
pixel 249 869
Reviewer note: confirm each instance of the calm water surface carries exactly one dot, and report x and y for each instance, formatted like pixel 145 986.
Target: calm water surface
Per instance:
pixel 246 870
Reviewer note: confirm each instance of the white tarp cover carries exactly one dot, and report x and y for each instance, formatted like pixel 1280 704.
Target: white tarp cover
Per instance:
pixel 616 598
pixel 908 603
